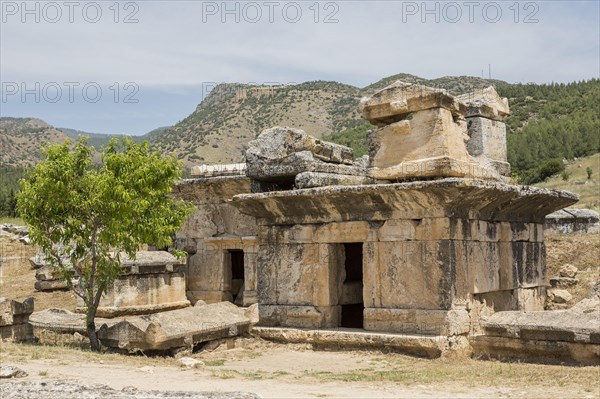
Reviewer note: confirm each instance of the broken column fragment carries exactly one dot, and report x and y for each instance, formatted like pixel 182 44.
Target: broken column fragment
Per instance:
pixel 422 134
pixel 280 154
pixel 14 320
pixel 485 113
pixel 174 329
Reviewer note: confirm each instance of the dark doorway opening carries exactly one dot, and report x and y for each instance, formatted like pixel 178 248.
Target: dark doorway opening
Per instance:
pixel 237 275
pixel 353 306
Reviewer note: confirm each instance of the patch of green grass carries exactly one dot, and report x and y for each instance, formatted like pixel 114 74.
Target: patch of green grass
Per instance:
pixel 43 373
pixel 215 362
pixel 15 221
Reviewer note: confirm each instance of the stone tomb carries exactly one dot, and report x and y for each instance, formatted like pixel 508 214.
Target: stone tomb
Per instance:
pixel 405 257
pixel 153 282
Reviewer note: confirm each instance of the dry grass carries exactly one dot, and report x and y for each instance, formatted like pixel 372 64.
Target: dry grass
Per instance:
pixel 409 371
pixel 24 352
pixel 17 278
pixel 580 250
pixel 589 192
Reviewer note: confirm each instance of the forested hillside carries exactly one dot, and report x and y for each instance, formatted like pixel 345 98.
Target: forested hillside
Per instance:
pixel 549 123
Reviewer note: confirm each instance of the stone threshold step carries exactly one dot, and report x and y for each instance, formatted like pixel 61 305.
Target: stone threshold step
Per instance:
pixel 430 346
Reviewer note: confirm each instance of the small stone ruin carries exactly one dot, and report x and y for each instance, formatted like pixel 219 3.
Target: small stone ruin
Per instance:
pixel 14 320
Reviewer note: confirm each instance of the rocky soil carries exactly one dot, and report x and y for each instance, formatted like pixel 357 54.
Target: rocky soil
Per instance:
pixel 66 390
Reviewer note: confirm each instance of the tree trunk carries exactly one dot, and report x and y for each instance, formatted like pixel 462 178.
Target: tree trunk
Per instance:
pixel 91 331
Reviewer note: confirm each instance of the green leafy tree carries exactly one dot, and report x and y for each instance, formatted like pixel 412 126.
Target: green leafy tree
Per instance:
pixel 85 216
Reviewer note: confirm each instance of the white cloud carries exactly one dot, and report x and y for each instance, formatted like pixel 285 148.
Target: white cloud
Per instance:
pixel 172 49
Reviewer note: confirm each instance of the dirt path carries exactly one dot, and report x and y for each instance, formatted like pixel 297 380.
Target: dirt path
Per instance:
pixel 293 371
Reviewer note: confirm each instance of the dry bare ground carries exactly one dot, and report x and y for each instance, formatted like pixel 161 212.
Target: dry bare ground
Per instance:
pixel 294 371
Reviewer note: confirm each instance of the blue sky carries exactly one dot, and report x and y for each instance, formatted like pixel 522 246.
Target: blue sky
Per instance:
pixel 155 60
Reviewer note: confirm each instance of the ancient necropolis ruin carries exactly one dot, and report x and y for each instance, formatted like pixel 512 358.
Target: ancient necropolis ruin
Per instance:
pixel 413 238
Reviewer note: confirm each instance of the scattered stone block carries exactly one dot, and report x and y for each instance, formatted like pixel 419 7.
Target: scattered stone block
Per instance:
pixel 60 326
pixel 189 362
pixel 559 296
pixel 568 271
pixel 547 336
pixel 14 320
pixel 280 153
pixel 46 277
pixel 7 371
pixel 563 282
pixel 182 328
pixel 50 285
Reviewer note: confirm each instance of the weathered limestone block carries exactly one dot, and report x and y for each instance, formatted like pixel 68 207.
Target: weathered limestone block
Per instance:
pixel 485 103
pixel 418 321
pixel 284 169
pixel 215 228
pixel 182 328
pixel 46 273
pixel 546 335
pixel 316 179
pixel 299 316
pixel 487 143
pixel 431 143
pixel 573 220
pixel 422 134
pixel 152 282
pixel 563 282
pixel 485 113
pixel 430 133
pixel 569 271
pixel 46 277
pixel 417 344
pixel 279 142
pixel 50 285
pixel 14 320
pixel 280 153
pixel 392 103
pixel 232 169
